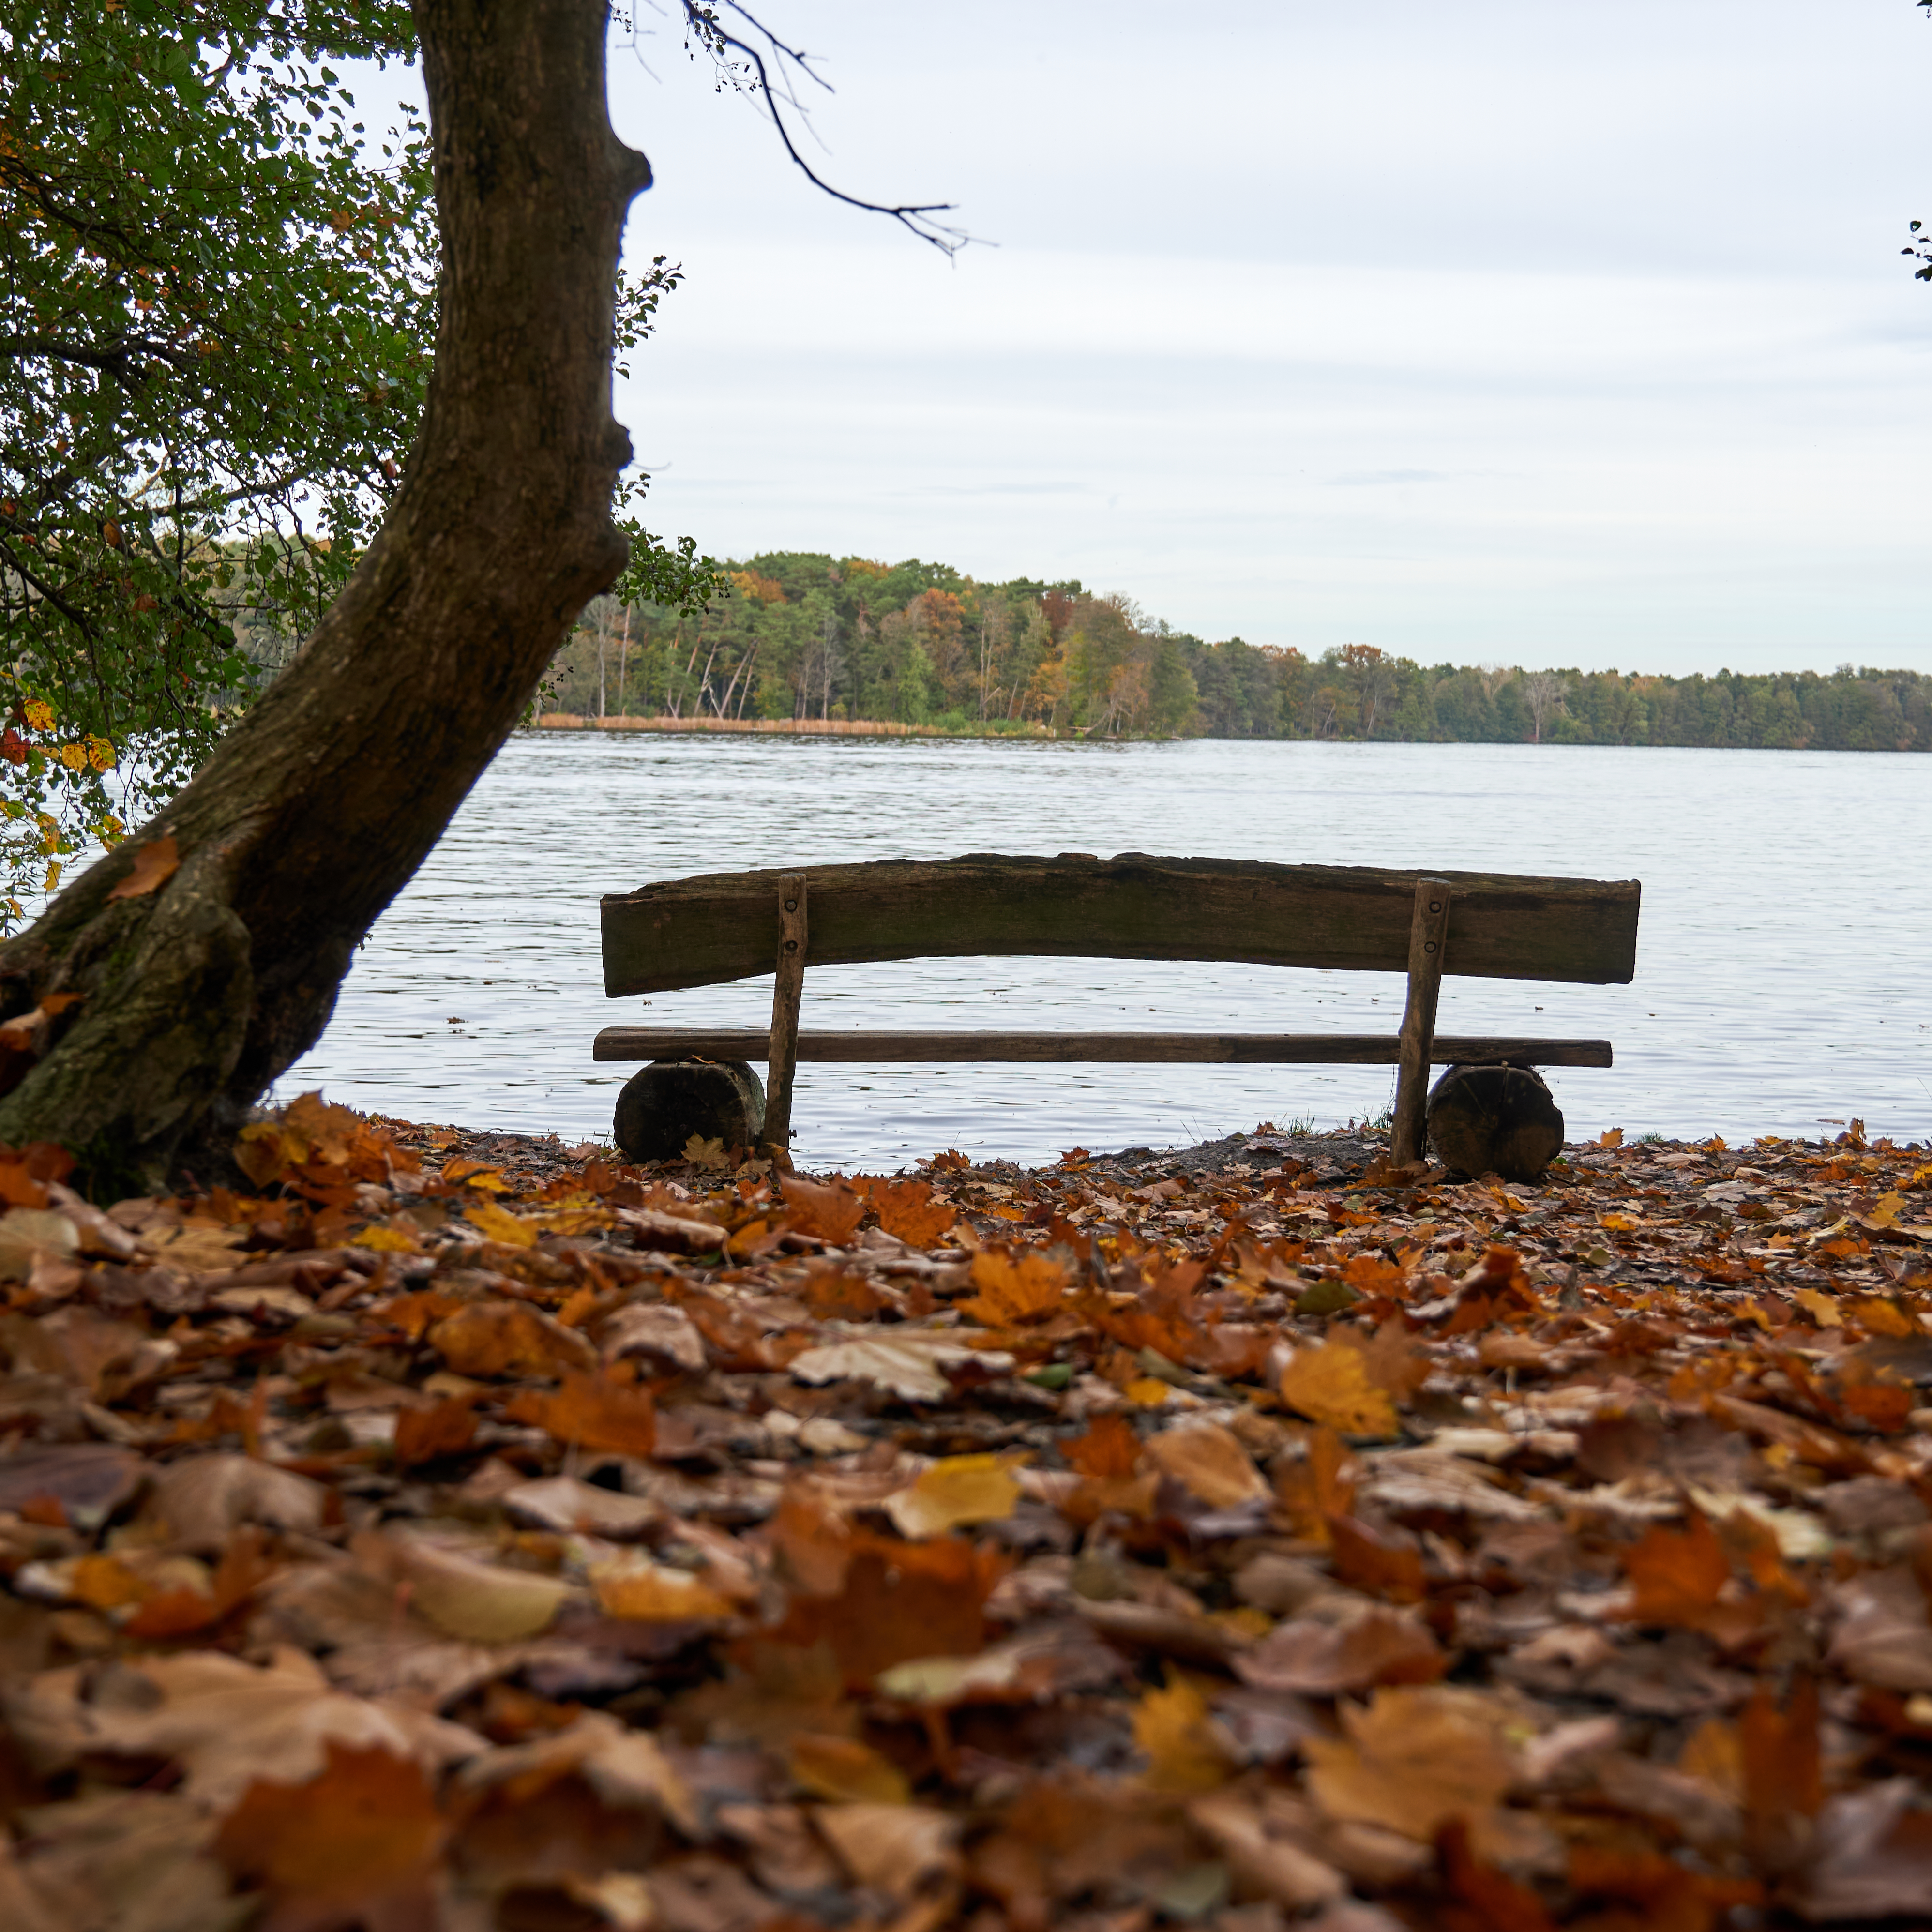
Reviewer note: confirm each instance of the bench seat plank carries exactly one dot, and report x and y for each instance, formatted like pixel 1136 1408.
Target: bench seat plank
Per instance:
pixel 706 930
pixel 633 1043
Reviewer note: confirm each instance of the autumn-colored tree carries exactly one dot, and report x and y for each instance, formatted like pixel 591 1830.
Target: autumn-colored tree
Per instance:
pixel 1368 677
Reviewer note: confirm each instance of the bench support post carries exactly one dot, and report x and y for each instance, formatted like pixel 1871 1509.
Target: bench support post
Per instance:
pixel 1428 938
pixel 787 988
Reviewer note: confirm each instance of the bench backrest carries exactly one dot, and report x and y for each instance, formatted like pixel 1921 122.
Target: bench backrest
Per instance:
pixel 722 925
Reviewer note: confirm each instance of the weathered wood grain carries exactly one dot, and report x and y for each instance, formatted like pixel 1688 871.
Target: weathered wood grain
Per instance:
pixel 787 984
pixel 1428 926
pixel 720 926
pixel 628 1042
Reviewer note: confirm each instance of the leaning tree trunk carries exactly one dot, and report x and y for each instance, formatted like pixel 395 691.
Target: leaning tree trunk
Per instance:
pixel 314 813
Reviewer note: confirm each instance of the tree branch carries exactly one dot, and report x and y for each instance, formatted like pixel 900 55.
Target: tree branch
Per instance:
pixel 701 18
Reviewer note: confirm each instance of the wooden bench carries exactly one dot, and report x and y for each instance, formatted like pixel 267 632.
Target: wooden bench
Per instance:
pixel 722 926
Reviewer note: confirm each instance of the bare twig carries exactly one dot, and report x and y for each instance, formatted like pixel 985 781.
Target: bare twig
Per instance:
pixel 771 82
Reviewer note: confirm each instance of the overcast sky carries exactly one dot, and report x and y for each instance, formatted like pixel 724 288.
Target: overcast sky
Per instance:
pixel 1493 330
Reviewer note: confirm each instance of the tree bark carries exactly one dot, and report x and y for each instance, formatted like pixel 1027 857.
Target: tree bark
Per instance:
pixel 315 811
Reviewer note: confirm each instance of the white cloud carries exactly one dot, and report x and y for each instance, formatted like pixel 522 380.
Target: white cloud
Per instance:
pixel 1481 330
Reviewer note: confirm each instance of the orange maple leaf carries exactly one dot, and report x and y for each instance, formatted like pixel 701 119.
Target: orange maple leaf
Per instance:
pixel 909 1209
pixel 1109 1448
pixel 1676 1574
pixel 830 1210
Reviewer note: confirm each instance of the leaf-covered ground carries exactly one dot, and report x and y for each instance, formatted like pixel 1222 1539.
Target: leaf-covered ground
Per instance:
pixel 471 1533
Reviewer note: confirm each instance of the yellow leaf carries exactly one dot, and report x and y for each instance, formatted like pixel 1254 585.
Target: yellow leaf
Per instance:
pixel 655 1593
pixel 1611 1137
pixel 1823 1308
pixel 1888 1209
pixel 956 1490
pixel 1148 1391
pixel 499 1224
pixel 846 1771
pixel 702 1152
pixel 1331 1385
pixel 474 1174
pixel 385 1240
pixel 573 1220
pixel 104 1583
pixel 1621 1224
pixel 74 756
pixel 39 713
pixel 1172 1727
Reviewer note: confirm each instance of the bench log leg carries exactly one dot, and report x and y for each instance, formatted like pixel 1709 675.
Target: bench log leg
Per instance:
pixel 787 988
pixel 1428 938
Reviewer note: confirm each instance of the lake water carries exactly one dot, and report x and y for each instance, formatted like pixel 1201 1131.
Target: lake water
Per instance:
pixel 1784 960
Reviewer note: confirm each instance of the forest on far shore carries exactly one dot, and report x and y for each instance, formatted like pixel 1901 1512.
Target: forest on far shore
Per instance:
pixel 802 635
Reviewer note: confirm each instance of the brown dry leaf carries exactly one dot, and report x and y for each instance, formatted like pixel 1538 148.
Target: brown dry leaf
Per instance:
pixel 1267 1863
pixel 1883 1636
pixel 1379 1646
pixel 911 1362
pixel 827 1209
pixel 445 1429
pixel 814 1542
pixel 655 1328
pixel 1412 1759
pixel 1319 1486
pixel 176 1610
pixel 895 1849
pixel 1173 1730
pixel 198 1503
pixel 1209 1462
pixel 568 1506
pixel 900 1600
pixel 1874 1857
pixel 505 1338
pixel 607 1413
pixel 1014 1287
pixel 1784 1776
pixel 955 1491
pixel 357 1843
pixel 30 1236
pixel 155 863
pixel 1384 1563
pixel 119 1861
pixel 1676 1575
pixel 1329 1384
pixel 224 1722
pixel 83 1482
pixel 911 1209
pixel 843 1771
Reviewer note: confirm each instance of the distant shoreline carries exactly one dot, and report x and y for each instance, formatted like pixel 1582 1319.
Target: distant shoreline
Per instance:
pixel 798 727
